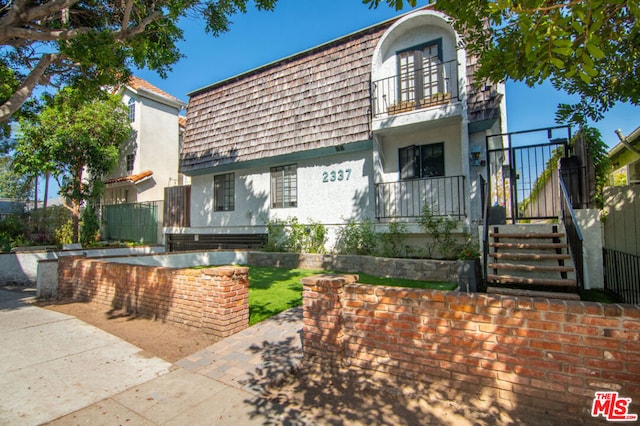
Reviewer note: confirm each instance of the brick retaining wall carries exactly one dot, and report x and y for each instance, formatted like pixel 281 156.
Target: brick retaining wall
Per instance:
pixel 215 300
pixel 544 354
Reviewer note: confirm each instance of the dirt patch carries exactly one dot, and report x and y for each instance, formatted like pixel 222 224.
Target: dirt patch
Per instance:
pixel 162 339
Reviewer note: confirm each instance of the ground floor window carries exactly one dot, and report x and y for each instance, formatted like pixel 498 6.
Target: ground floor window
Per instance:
pixel 422 161
pixel 224 192
pixel 284 186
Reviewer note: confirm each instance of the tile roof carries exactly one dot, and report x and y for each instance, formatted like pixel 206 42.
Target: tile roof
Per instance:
pixel 130 178
pixel 138 83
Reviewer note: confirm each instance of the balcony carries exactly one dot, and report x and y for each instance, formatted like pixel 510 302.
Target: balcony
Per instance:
pixel 419 89
pixel 445 196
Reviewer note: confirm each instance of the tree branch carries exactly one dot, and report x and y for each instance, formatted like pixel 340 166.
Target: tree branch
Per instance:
pixel 20 96
pixel 127 14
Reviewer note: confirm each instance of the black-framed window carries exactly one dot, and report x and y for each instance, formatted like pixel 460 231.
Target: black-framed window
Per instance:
pixel 224 192
pixel 420 71
pixel 421 161
pixel 131 105
pixel 284 186
pixel 130 159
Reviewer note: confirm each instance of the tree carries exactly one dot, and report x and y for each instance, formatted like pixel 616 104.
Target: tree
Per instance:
pixel 589 48
pixel 76 141
pixel 94 43
pixel 12 184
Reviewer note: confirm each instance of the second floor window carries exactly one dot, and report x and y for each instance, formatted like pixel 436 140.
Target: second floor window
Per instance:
pixel 130 160
pixel 132 110
pixel 420 72
pixel 421 161
pixel 284 186
pixel 224 192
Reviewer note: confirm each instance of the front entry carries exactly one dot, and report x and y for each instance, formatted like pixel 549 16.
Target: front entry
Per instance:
pixel 522 173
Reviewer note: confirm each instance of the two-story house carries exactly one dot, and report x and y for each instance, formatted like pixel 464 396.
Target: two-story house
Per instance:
pixel 148 163
pixel 134 191
pixel 375 124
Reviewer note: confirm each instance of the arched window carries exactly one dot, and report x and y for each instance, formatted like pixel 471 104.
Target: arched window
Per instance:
pixel 132 110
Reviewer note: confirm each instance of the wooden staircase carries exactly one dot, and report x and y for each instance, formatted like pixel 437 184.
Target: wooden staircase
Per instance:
pixel 530 260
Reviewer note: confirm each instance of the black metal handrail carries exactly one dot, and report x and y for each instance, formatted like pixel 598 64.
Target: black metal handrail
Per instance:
pixel 445 196
pixel 485 225
pixel 422 88
pixel 574 234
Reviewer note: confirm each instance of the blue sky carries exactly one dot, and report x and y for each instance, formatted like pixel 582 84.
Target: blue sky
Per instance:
pixel 257 38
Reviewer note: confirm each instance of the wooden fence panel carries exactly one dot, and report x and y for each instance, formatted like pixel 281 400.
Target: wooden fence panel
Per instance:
pixel 177 206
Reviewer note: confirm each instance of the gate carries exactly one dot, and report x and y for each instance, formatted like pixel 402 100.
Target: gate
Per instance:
pixel 522 173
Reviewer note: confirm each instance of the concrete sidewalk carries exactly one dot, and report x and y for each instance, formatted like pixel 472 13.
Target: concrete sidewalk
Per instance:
pixel 55 368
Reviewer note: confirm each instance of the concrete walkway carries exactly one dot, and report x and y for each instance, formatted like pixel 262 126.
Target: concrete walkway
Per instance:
pixel 58 370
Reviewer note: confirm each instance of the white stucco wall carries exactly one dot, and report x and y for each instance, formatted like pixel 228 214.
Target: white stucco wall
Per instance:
pixel 390 144
pixel 155 148
pixel 414 30
pixel 158 148
pixel 591 227
pixel 331 202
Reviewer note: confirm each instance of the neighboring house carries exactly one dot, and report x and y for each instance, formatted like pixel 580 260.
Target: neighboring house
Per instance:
pixel 10 206
pixel 149 163
pixel 376 124
pixel 625 161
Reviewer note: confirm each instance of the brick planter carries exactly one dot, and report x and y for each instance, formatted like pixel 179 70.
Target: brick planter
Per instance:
pixel 215 300
pixel 522 353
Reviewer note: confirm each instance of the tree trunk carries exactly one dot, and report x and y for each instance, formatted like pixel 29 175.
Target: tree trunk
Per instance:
pixel 35 193
pixel 75 221
pixel 46 190
pixel 76 203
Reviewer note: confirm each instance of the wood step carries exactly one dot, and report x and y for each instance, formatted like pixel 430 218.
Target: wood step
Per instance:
pixel 530 268
pixel 510 279
pixel 532 293
pixel 526 235
pixel 542 246
pixel 529 256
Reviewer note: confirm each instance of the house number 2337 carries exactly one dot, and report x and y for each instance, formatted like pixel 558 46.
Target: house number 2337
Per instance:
pixel 336 175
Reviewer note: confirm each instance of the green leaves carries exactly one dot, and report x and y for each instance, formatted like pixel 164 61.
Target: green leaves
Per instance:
pixel 590 48
pixel 72 136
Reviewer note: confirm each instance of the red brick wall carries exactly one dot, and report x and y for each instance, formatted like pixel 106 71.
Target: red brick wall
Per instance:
pixel 543 354
pixel 215 300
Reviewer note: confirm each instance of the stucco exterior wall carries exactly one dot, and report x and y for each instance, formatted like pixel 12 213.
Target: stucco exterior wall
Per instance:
pixel 320 198
pixel 158 151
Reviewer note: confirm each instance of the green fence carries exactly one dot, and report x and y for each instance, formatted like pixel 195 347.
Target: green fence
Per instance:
pixel 131 222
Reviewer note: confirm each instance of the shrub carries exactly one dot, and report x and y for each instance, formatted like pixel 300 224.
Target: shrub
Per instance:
pixel 440 230
pixel 295 237
pixel 89 226
pixel 13 232
pixel 356 238
pixel 393 240
pixel 276 236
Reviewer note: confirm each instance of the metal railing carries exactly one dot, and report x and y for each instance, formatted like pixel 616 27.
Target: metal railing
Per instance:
pixel 445 196
pixel 574 234
pixel 485 224
pixel 622 275
pixel 416 90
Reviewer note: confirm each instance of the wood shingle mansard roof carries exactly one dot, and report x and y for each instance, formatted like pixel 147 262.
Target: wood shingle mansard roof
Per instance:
pixel 319 98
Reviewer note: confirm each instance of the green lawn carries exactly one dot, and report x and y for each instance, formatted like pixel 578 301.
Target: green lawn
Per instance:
pixel 273 290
